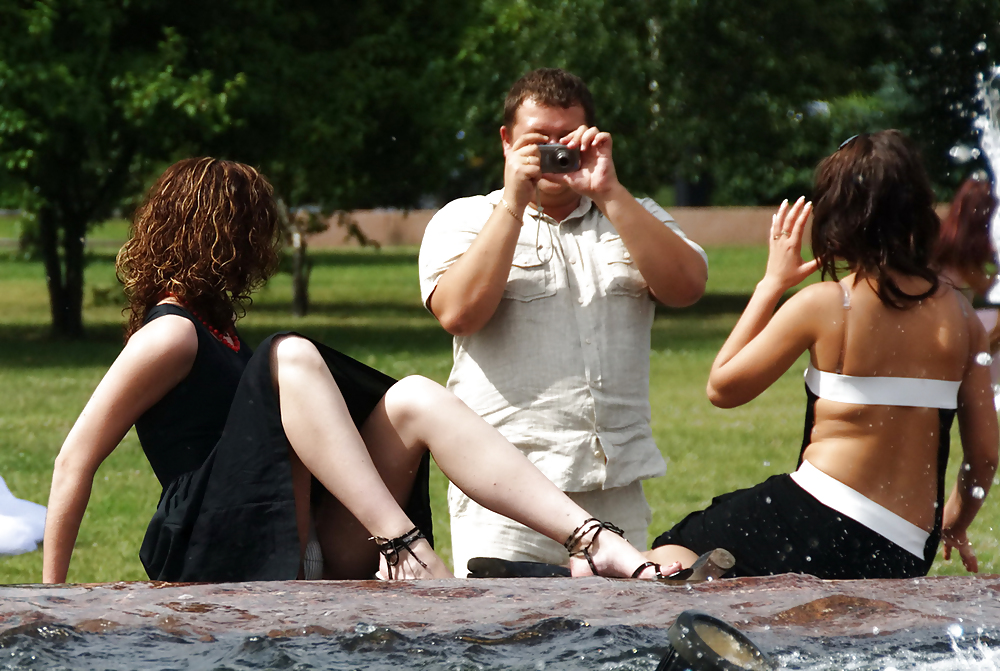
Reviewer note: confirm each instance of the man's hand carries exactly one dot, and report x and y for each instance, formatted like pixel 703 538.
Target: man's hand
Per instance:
pixel 521 170
pixel 597 174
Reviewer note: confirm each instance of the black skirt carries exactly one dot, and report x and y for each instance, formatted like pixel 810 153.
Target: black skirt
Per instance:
pixel 778 527
pixel 233 518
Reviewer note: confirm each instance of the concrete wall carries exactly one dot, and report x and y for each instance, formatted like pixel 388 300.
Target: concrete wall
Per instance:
pixel 708 226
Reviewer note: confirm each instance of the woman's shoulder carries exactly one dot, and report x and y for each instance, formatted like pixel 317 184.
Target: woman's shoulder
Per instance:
pixel 168 334
pixel 823 295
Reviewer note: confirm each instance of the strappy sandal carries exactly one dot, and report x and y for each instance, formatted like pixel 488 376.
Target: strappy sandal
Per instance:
pixel 711 565
pixel 576 547
pixel 391 547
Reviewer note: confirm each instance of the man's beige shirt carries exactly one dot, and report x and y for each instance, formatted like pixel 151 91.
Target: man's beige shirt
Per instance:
pixel 562 367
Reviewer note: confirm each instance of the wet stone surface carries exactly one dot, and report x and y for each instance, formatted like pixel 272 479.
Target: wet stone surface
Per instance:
pixel 798 606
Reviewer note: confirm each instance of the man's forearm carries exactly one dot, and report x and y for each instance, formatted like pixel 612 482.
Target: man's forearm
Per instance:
pixel 469 292
pixel 675 272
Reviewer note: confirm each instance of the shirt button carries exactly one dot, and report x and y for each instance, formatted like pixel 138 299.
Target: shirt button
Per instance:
pixel 627 256
pixel 573 261
pixel 587 340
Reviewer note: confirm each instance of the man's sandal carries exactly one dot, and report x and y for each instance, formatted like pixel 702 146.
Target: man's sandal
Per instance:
pixel 494 567
pixel 391 547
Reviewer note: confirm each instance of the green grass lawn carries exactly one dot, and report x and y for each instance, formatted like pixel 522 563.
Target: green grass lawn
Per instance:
pixel 367 304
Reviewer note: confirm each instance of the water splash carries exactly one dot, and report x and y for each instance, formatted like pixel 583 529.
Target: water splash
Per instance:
pixel 988 125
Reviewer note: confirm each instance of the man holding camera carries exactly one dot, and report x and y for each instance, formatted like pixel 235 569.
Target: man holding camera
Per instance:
pixel 547 286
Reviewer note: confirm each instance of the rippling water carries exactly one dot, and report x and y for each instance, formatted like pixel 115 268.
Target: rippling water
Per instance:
pixel 550 645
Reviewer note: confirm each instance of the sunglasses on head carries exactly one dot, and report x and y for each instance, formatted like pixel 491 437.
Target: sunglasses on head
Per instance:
pixel 847 142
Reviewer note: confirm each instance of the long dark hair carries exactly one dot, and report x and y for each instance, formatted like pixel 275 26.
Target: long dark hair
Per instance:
pixel 874 210
pixel 207 234
pixel 965 231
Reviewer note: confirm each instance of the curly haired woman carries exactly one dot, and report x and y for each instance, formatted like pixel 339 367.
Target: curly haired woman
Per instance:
pixel 254 451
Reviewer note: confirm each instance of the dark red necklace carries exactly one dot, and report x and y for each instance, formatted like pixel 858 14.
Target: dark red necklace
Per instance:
pixel 227 337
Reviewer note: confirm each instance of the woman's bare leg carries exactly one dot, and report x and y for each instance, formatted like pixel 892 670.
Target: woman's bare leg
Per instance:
pixel 417 414
pixel 322 434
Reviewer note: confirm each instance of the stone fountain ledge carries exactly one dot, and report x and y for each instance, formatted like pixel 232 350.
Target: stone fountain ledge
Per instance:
pixel 795 604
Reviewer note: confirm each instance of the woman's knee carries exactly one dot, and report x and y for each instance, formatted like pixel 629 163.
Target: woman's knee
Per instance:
pixel 295 351
pixel 416 396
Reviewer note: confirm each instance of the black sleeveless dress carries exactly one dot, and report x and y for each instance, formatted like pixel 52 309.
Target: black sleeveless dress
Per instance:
pixel 216 444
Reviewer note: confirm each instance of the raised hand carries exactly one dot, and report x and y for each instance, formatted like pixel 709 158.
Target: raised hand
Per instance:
pixel 785 266
pixel 521 170
pixel 597 169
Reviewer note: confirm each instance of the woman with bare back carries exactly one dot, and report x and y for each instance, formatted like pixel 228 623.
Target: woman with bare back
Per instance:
pixel 894 356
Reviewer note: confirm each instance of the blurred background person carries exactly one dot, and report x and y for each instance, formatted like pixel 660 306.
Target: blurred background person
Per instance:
pixel 966 258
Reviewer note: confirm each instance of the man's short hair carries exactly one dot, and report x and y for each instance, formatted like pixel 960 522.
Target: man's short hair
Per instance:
pixel 551 87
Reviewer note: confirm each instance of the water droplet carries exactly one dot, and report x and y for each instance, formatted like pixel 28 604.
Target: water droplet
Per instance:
pixel 955 631
pixel 960 153
pixel 767 463
pixel 984 359
pixel 875 630
pixel 767 499
pixel 978 493
pixel 980 47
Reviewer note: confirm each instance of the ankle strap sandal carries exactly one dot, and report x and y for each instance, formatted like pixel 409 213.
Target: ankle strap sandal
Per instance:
pixel 576 547
pixel 391 547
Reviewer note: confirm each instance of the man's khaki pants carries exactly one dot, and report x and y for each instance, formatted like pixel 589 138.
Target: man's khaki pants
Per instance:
pixel 478 532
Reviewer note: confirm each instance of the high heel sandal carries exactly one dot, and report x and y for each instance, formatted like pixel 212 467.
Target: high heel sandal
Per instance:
pixel 575 544
pixel 391 547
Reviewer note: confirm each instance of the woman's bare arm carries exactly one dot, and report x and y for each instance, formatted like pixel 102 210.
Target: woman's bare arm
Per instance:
pixel 760 348
pixel 155 360
pixel 977 424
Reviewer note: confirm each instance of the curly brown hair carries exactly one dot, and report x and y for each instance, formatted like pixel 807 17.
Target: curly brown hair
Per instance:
pixel 874 210
pixel 207 234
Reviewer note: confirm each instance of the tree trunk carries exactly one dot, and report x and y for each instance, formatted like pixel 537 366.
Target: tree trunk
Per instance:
pixel 63 272
pixel 300 276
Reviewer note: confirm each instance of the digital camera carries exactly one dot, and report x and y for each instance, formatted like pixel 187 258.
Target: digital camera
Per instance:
pixel 558 158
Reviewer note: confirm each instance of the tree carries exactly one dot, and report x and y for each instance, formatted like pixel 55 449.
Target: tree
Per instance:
pixel 93 95
pixel 722 91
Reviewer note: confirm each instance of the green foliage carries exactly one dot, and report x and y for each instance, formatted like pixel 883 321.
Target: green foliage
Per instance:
pixel 93 95
pixel 939 49
pixel 347 102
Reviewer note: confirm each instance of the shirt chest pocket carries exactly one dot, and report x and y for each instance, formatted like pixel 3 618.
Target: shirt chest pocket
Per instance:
pixel 619 276
pixel 531 275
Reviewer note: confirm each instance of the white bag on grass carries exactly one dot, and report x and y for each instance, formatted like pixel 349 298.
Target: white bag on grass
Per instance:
pixel 22 523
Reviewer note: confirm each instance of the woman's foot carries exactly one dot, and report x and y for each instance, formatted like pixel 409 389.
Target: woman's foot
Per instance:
pixel 409 557
pixel 599 548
